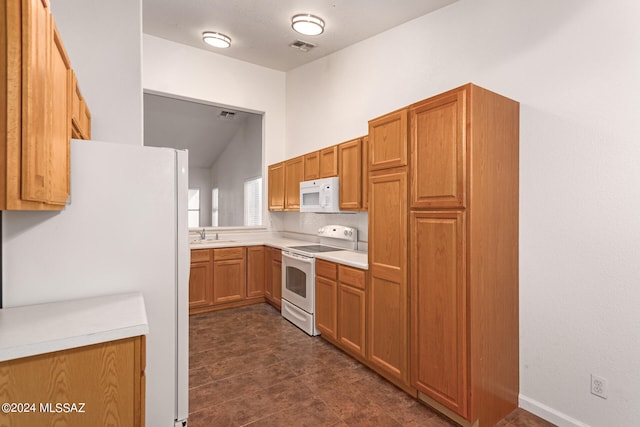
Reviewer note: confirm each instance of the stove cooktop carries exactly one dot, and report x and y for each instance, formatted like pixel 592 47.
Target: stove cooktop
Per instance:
pixel 316 248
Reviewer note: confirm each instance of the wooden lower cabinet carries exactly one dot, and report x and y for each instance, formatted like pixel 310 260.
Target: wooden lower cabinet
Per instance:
pixel 273 277
pixel 352 310
pixel 229 275
pixel 255 271
pixel 327 299
pixel 226 277
pixel 341 306
pixel 201 279
pixel 106 381
pixel 439 308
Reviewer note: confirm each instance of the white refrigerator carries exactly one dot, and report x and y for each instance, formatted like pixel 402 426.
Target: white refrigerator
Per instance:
pixel 124 229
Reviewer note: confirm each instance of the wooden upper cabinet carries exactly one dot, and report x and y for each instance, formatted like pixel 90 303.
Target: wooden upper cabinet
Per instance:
pixel 60 135
pixel 365 173
pixel 276 186
pixel 438 151
pixel 312 166
pixel 350 173
pixel 293 176
pixel 80 115
pixel 36 100
pixel 329 162
pixel 35 109
pixel 388 141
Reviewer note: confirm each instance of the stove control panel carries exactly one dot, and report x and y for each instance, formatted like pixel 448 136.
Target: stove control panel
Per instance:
pixel 339 232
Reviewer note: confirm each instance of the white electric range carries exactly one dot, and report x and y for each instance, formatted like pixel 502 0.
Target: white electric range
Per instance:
pixel 299 277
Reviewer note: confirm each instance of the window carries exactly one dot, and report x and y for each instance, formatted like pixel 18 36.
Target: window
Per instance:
pixel 253 201
pixel 193 218
pixel 214 207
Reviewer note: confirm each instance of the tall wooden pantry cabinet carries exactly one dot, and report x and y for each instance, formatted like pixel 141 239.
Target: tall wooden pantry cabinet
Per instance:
pixel 463 235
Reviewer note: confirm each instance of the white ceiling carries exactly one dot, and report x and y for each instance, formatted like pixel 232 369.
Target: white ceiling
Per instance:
pixel 261 31
pixel 175 123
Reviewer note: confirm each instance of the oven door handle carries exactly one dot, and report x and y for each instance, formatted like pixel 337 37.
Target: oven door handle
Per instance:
pixel 297 257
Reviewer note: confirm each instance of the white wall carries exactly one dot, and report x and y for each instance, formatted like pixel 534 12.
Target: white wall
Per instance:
pixel 574 67
pixel 103 40
pixel 200 178
pixel 182 70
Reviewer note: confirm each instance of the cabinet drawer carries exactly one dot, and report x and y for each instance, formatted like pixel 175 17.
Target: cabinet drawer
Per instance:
pixel 276 254
pixel 200 255
pixel 228 253
pixel 326 269
pixel 352 276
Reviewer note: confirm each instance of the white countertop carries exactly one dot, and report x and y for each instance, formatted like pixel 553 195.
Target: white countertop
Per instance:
pixel 36 329
pixel 357 259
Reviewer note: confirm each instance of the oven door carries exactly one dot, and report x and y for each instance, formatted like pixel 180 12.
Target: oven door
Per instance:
pixel 298 275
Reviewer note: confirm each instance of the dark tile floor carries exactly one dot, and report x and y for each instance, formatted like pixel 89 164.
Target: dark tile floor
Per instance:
pixel 250 367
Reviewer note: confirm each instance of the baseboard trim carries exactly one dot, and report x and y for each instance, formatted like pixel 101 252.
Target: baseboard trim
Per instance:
pixel 548 413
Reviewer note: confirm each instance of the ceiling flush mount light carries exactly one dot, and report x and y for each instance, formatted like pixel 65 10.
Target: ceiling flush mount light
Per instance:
pixel 216 39
pixel 308 25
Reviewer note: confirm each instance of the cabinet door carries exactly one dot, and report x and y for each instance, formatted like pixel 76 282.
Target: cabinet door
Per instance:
pixel 293 175
pixel 388 141
pixel 36 101
pixel 365 173
pixel 276 186
pixel 255 271
pixel 350 173
pixel 276 275
pixel 108 378
pixel 201 278
pixel 60 136
pixel 387 330
pixel 438 151
pixel 312 166
pixel 326 307
pixel 439 308
pixel 229 279
pixel 351 319
pixel 268 279
pixel 329 162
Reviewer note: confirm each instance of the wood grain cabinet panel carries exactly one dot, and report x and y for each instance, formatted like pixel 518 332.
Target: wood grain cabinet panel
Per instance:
pixel 312 166
pixel 365 173
pixel 326 315
pixel 201 278
pixel 329 162
pixel 464 254
pixel 35 109
pixel 387 332
pixel 388 141
pixel 439 307
pixel 438 151
pixel 255 271
pixel 229 275
pixel 350 173
pixel 293 176
pixel 276 186
pixel 352 310
pixel 107 378
pixel 273 277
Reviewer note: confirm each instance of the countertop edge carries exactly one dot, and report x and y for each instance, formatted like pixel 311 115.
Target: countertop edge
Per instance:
pixel 283 243
pixel 44 328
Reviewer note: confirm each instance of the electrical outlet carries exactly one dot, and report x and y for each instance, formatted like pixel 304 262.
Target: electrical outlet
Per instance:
pixel 599 386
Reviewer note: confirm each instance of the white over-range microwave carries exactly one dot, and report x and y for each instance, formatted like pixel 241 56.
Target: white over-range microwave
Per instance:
pixel 320 195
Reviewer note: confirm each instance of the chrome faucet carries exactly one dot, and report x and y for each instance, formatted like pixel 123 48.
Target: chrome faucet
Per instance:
pixel 203 234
